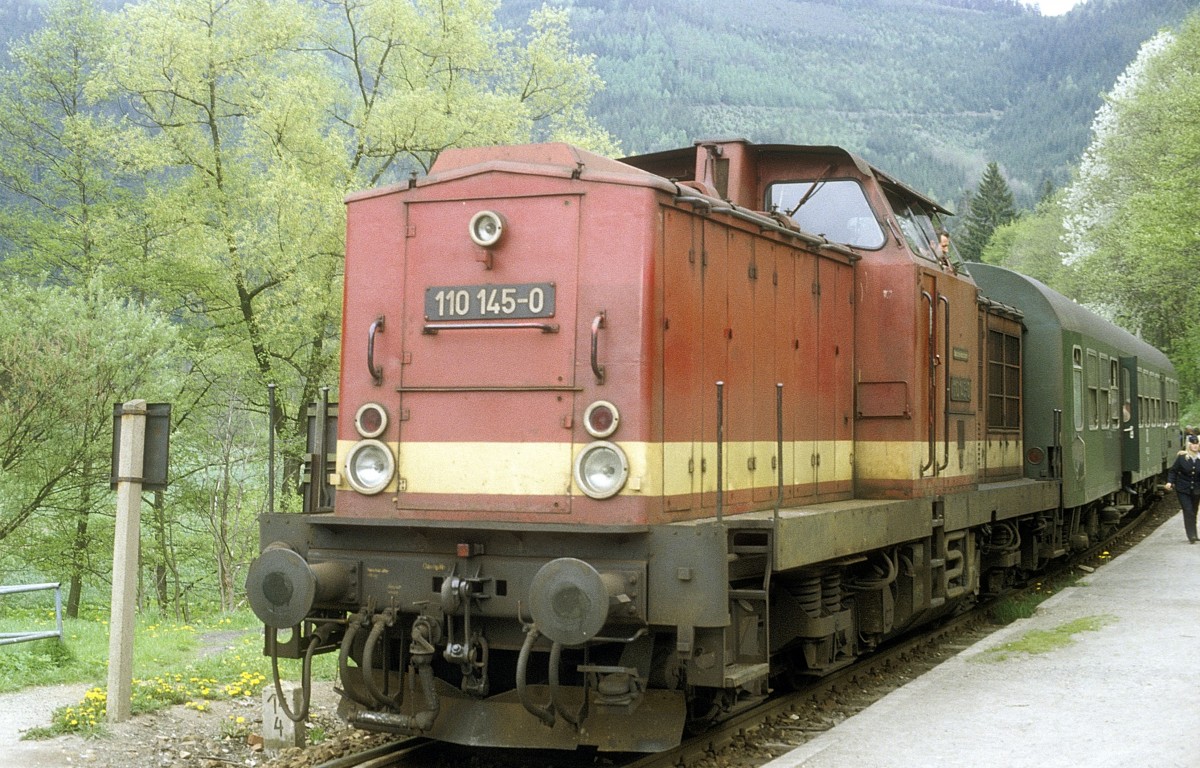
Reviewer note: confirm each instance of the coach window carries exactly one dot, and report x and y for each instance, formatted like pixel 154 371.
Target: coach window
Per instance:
pixel 1103 406
pixel 1158 398
pixel 1093 385
pixel 1077 386
pixel 1114 395
pixel 1143 399
pixel 1126 403
pixel 836 209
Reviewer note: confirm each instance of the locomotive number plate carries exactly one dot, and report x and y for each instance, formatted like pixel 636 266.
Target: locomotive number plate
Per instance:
pixel 486 302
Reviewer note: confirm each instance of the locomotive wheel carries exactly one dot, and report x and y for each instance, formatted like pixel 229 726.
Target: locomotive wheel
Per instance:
pixel 706 706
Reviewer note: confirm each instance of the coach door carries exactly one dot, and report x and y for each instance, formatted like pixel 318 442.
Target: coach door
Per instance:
pixel 1131 443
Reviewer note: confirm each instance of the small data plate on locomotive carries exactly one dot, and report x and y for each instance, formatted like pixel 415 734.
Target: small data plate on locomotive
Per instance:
pixel 489 302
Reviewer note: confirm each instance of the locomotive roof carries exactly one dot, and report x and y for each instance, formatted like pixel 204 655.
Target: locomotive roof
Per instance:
pixel 552 159
pixel 685 158
pixel 561 159
pixel 1039 302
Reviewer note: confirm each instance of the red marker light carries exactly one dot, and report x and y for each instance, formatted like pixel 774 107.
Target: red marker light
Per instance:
pixel 601 419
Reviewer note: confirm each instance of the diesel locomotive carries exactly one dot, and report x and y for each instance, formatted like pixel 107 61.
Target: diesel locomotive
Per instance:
pixel 621 446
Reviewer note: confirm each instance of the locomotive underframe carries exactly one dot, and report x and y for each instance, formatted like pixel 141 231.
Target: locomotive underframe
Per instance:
pixel 704 617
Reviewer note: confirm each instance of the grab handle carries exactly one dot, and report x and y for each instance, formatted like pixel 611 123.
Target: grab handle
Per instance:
pixel 946 377
pixel 432 329
pixel 931 383
pixel 376 372
pixel 597 324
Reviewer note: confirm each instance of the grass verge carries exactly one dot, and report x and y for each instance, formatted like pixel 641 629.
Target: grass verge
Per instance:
pixel 1046 640
pixel 173 663
pixel 1023 604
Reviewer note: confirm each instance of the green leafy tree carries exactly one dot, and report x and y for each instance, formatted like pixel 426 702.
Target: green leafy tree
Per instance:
pixel 1134 205
pixel 66 355
pixel 1034 245
pixel 416 77
pixel 64 215
pixel 991 206
pixel 66 220
pixel 240 192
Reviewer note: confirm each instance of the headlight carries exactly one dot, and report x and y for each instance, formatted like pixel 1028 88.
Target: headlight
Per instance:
pixel 486 227
pixel 370 467
pixel 601 469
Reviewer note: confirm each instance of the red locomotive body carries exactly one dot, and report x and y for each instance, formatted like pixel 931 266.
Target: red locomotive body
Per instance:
pixel 601 288
pixel 625 444
pixel 914 399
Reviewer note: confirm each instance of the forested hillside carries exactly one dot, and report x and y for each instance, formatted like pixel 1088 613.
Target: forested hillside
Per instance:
pixel 18 18
pixel 930 90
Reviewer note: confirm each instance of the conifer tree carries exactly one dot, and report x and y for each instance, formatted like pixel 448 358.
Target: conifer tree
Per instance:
pixel 991 205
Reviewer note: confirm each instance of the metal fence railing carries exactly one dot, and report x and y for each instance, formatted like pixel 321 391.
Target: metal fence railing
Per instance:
pixel 8 638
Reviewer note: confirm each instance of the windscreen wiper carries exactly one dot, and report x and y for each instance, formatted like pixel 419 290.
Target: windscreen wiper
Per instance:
pixel 820 182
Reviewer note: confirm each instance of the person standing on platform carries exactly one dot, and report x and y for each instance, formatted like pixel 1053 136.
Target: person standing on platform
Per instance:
pixel 1184 478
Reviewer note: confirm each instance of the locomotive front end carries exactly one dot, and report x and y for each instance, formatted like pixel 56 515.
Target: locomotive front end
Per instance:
pixel 479 502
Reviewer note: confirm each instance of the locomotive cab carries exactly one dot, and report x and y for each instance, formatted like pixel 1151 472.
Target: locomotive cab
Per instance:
pixel 918 404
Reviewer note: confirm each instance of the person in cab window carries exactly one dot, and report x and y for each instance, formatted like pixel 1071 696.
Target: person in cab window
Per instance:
pixel 1184 478
pixel 942 249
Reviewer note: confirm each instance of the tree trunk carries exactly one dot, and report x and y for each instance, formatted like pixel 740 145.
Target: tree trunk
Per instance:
pixel 79 546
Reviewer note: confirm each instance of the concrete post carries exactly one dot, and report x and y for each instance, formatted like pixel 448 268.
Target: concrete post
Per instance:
pixel 125 560
pixel 279 732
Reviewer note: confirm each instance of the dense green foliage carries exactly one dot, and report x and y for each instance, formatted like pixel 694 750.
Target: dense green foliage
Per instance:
pixel 63 355
pixel 1122 237
pixel 1033 245
pixel 191 158
pixel 1133 210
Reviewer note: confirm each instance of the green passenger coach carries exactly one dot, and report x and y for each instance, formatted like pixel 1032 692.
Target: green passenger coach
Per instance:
pixel 1118 396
